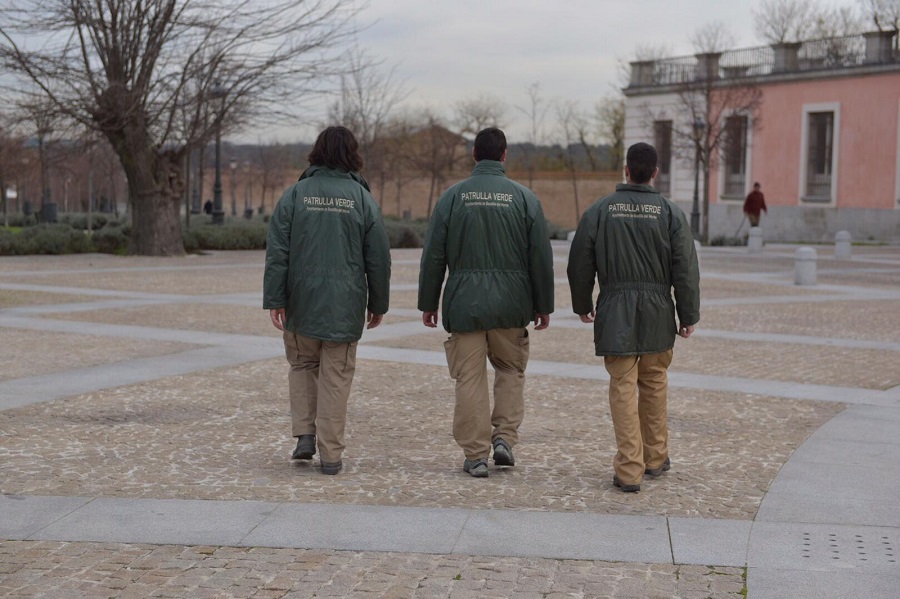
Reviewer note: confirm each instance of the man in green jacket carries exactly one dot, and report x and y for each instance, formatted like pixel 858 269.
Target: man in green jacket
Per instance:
pixel 328 270
pixel 639 247
pixel 490 233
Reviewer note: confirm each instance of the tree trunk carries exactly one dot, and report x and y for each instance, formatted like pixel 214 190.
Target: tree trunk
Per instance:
pixel 155 187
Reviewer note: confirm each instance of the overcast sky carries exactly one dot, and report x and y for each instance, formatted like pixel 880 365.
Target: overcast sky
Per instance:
pixel 447 50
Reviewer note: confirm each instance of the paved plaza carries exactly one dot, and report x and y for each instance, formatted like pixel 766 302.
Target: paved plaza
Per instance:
pixel 145 442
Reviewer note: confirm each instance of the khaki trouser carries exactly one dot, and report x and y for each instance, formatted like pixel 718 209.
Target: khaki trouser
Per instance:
pixel 638 390
pixel 474 424
pixel 319 384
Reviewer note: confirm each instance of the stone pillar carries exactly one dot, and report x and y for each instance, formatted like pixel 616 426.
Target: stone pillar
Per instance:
pixel 642 73
pixel 755 240
pixel 786 57
pixel 842 248
pixel 805 266
pixel 879 49
pixel 708 66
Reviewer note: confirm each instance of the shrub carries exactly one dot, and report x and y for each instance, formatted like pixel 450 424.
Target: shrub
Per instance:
pixel 112 239
pixel 44 239
pixel 555 231
pixel 249 235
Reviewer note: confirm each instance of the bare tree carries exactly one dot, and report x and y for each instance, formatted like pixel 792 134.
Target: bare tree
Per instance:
pixel 471 115
pixel 784 21
pixel 536 112
pixel 836 21
pixel 706 107
pixel 122 67
pixel 609 116
pixel 712 38
pixel 435 151
pixel 572 126
pixel 368 95
pixel 885 14
pixel 271 161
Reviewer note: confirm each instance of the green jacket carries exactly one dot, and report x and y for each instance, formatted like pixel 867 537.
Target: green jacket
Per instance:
pixel 327 256
pixel 490 233
pixel 639 247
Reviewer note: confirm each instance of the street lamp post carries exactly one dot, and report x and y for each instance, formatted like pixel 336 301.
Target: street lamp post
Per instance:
pixel 218 92
pixel 233 166
pixel 698 126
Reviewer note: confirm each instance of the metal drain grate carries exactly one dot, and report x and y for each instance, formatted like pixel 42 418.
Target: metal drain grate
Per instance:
pixel 866 548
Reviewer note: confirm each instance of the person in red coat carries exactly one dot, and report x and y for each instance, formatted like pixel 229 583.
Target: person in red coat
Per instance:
pixel 754 204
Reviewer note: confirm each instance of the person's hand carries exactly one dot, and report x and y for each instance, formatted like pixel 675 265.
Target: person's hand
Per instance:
pixel 686 331
pixel 278 318
pixel 373 319
pixel 588 318
pixel 541 321
pixel 429 319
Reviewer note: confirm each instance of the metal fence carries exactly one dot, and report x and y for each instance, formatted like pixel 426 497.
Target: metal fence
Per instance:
pixel 821 54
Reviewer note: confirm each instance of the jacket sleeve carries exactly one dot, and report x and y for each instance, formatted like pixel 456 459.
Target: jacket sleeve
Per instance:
pixel 540 263
pixel 685 271
pixel 582 267
pixel 433 265
pixel 377 256
pixel 278 249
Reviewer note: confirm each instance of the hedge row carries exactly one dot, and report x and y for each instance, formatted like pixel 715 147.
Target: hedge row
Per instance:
pixel 71 236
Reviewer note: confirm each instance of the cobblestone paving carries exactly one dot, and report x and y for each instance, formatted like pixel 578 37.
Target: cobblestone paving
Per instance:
pixel 31 353
pixel 102 571
pixel 873 320
pixel 224 434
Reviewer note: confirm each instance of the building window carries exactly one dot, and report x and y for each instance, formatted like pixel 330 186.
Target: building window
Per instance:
pixel 819 156
pixel 662 137
pixel 735 158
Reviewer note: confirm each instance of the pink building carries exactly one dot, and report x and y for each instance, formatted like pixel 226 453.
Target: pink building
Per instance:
pixel 817 123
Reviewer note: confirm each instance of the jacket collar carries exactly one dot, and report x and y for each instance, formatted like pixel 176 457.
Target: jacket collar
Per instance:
pixel 489 167
pixel 635 187
pixel 330 172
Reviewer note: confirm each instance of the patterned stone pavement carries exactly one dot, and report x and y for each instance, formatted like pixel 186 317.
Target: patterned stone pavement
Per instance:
pixel 222 432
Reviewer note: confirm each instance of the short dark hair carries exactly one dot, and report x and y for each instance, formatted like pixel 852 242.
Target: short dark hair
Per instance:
pixel 642 160
pixel 756 184
pixel 336 148
pixel 490 144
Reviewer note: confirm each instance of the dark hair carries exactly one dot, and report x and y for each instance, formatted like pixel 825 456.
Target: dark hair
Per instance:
pixel 336 148
pixel 490 144
pixel 756 184
pixel 642 160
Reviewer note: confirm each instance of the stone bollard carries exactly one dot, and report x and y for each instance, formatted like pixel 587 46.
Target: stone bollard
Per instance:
pixel 805 266
pixel 842 247
pixel 755 242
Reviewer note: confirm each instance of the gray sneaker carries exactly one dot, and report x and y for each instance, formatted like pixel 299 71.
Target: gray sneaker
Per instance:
pixel 477 468
pixel 503 455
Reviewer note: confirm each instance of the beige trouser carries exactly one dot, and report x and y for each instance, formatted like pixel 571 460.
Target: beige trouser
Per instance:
pixel 319 384
pixel 638 389
pixel 474 424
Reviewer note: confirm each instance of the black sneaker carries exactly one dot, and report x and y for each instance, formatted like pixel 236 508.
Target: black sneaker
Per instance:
pixel 625 488
pixel 654 472
pixel 306 448
pixel 477 468
pixel 332 467
pixel 503 455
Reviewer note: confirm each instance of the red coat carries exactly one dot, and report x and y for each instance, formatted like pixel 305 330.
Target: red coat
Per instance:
pixel 754 203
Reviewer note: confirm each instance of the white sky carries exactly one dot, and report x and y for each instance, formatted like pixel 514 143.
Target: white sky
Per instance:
pixel 446 50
